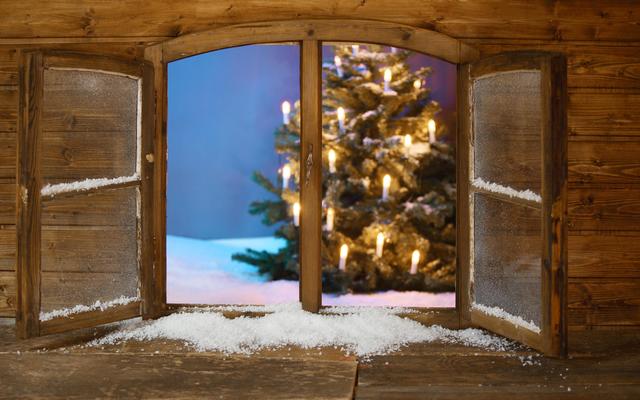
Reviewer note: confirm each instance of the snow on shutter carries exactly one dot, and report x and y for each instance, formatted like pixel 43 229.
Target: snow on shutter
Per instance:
pixel 512 240
pixel 83 191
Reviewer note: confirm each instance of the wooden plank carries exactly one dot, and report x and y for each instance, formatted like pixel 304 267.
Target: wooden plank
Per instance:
pixel 604 161
pixel 185 376
pixel 7 202
pixel 8 292
pixel 8 108
pixel 115 207
pixel 80 155
pixel 8 150
pixel 325 30
pixel 604 114
pixel 604 208
pixel 599 318
pixel 158 297
pixel 311 179
pixel 62 290
pixel 28 197
pixel 567 20
pixel 596 294
pixel 8 67
pixel 90 318
pixel 588 65
pixel 88 250
pixel 608 256
pixel 8 248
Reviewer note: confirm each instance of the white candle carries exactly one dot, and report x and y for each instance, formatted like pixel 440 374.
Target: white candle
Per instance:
pixel 431 125
pixel 407 144
pixel 296 214
pixel 415 259
pixel 387 79
pixel 344 252
pixel 332 161
pixel 330 217
pixel 354 49
pixel 338 62
pixel 286 109
pixel 386 183
pixel 341 116
pixel 286 174
pixel 379 244
pixel 417 84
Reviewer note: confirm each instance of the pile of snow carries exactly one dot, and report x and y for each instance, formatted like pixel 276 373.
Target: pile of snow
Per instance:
pixel 504 315
pixel 509 191
pixel 356 330
pixel 87 184
pixel 80 308
pixel 202 272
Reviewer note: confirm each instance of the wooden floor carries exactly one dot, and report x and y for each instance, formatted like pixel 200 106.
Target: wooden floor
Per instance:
pixel 61 367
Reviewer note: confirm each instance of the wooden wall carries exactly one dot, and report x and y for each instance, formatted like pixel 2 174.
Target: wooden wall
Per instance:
pixel 600 38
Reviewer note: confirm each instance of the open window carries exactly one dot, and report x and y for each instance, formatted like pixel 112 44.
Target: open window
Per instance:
pixel 93 166
pixel 512 188
pixel 84 186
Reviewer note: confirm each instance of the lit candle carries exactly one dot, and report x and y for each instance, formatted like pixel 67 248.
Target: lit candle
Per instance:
pixel 296 214
pixel 332 161
pixel 393 50
pixel 286 109
pixel 386 183
pixel 417 84
pixel 379 244
pixel 387 79
pixel 354 49
pixel 344 252
pixel 330 217
pixel 407 144
pixel 341 116
pixel 415 259
pixel 286 174
pixel 431 125
pixel 338 62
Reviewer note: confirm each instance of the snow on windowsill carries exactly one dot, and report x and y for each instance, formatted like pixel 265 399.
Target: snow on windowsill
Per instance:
pixel 363 331
pixel 479 183
pixel 502 314
pixel 80 308
pixel 87 184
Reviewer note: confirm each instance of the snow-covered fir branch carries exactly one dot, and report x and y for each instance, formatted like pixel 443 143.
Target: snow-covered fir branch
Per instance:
pixel 479 183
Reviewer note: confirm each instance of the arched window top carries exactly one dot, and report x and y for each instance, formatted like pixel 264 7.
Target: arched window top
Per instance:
pixel 376 32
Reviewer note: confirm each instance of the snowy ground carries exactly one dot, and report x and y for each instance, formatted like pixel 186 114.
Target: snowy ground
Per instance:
pixel 202 272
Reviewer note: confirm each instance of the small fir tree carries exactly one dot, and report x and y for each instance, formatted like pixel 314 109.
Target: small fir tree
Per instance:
pixel 385 131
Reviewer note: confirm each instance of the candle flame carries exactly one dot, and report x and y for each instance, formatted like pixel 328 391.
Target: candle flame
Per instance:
pixel 380 238
pixel 340 114
pixel 415 257
pixel 296 209
pixel 332 156
pixel 344 251
pixel 286 107
pixel 432 126
pixel 386 181
pixel 417 84
pixel 407 140
pixel 286 172
pixel 355 48
pixel 387 75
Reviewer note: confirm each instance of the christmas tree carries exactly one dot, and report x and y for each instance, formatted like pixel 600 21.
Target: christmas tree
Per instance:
pixel 388 181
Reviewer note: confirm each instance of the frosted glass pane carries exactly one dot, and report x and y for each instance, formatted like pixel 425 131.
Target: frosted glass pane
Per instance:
pixel 89 249
pixel 506 257
pixel 90 124
pixel 507 124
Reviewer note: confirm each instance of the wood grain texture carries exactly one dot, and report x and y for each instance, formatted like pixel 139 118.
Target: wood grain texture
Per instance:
pixel 8 108
pixel 602 113
pixel 8 292
pixel 604 208
pixel 311 179
pixel 8 248
pixel 616 255
pixel 602 160
pixel 566 20
pixel 90 319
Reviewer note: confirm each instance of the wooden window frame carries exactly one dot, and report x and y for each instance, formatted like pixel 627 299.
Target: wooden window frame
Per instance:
pixel 29 199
